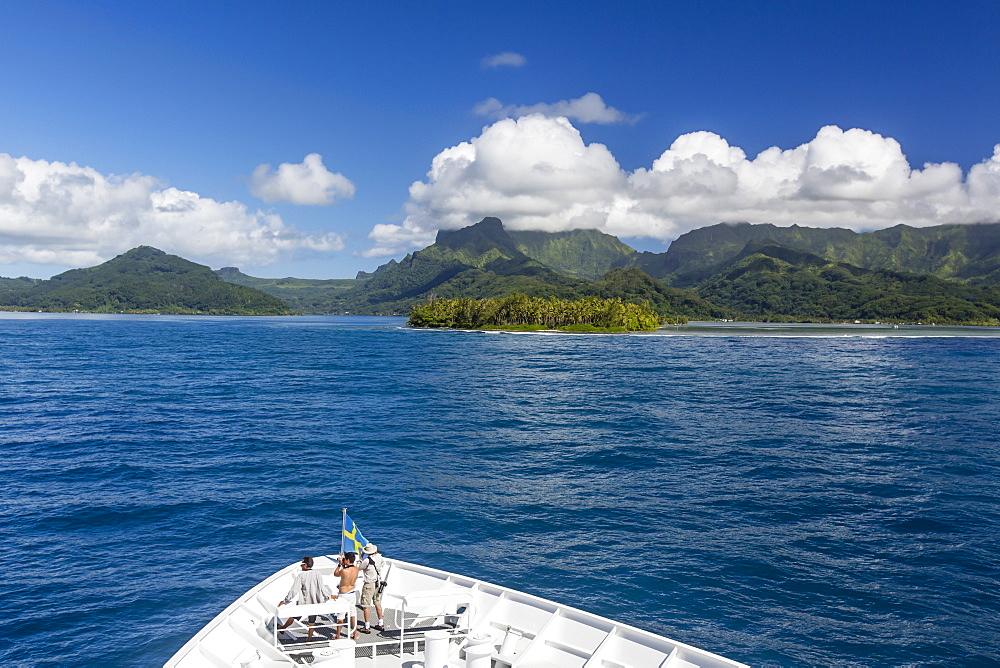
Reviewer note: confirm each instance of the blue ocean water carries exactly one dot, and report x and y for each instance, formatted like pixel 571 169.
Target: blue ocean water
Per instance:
pixel 781 498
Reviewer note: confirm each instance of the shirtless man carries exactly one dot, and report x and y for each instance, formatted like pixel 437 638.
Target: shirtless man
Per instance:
pixel 348 572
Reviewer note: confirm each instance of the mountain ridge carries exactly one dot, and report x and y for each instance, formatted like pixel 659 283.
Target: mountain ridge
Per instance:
pixel 720 271
pixel 967 252
pixel 144 280
pixel 779 283
pixel 486 260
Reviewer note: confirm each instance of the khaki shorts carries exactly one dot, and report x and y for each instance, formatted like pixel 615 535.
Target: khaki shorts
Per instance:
pixel 369 596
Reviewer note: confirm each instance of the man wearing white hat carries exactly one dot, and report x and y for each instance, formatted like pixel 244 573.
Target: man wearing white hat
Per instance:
pixel 373 567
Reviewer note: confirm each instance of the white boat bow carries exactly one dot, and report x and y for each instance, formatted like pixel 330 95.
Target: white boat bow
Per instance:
pixel 434 619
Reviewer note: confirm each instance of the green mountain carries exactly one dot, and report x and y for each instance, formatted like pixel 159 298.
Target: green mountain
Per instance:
pixel 305 295
pixel 635 285
pixel 721 271
pixel 585 254
pixel 144 280
pixel 477 261
pixel 476 245
pixel 777 283
pixel 9 285
pixel 579 253
pixel 969 253
pixel 485 260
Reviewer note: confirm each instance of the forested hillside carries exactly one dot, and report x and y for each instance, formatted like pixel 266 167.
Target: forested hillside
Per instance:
pixel 144 280
pixel 969 253
pixel 303 295
pixel 752 272
pixel 9 285
pixel 777 283
pixel 585 254
pixel 483 261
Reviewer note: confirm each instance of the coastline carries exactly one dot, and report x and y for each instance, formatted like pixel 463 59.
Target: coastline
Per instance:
pixel 805 329
pixel 777 330
pixel 695 328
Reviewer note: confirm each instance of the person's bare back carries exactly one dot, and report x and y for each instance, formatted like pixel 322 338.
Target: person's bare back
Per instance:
pixel 348 572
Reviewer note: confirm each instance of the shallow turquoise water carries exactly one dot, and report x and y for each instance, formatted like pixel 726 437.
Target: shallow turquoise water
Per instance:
pixel 781 500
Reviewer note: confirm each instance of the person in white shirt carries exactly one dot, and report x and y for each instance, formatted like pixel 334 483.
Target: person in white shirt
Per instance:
pixel 308 587
pixel 373 568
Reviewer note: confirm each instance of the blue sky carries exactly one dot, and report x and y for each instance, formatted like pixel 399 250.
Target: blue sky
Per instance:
pixel 284 138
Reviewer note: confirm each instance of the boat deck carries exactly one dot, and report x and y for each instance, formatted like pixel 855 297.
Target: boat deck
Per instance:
pixel 372 649
pixel 444 619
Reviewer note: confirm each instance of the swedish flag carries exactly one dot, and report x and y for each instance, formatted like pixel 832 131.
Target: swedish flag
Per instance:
pixel 352 540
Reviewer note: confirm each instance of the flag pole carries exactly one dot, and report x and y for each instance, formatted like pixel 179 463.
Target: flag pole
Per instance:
pixel 343 529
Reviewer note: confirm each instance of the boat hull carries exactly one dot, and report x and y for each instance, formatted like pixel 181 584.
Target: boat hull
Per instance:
pixel 443 615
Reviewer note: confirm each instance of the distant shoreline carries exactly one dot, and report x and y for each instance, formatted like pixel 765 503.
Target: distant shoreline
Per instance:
pixel 693 328
pixel 716 328
pixel 774 329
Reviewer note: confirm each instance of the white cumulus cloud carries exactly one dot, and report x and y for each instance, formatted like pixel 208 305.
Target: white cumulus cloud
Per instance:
pixel 537 173
pixel 589 108
pixel 505 59
pixel 65 214
pixel 308 182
